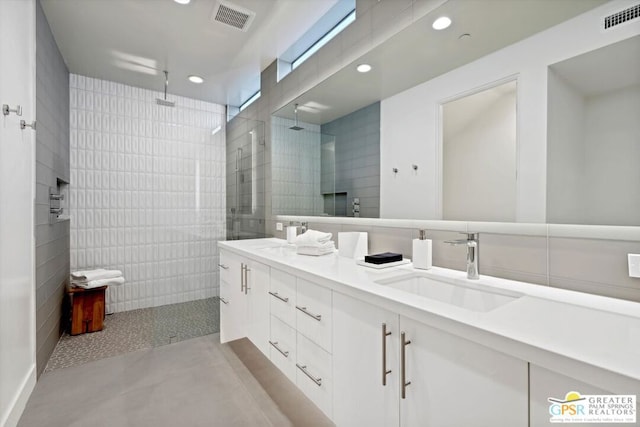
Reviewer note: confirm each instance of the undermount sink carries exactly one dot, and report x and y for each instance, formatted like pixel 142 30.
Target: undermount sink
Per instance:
pixel 473 297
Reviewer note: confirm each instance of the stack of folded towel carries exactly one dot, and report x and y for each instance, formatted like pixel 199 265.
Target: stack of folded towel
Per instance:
pixel 315 243
pixel 88 279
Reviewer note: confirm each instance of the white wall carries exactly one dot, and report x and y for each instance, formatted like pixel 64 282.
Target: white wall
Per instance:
pixel 147 192
pixel 479 152
pixel 17 189
pixel 565 152
pixel 612 158
pixel 410 120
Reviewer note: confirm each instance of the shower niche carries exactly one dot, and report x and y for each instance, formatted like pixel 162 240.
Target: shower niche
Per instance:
pixel 59 202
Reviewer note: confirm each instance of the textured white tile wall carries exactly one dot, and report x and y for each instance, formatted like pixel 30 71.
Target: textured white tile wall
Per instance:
pixel 295 168
pixel 147 191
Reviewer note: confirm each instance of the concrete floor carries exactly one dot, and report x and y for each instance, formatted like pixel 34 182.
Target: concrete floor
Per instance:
pixel 198 382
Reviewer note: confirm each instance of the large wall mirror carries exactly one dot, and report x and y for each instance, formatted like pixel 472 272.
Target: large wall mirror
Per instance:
pixel 452 144
pixel 593 166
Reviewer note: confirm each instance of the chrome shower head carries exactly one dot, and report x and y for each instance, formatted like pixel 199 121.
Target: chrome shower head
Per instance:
pixel 295 126
pixel 164 101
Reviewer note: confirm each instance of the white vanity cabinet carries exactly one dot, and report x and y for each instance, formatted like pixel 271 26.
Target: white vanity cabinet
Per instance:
pixel 455 382
pixel 365 364
pixel 301 335
pixel 545 384
pixel 233 303
pixel 449 381
pixel 356 350
pixel 256 278
pixel 282 302
pixel 282 297
pixel 313 313
pixel 244 300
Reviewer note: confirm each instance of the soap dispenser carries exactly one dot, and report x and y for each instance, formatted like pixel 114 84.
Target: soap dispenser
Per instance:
pixel 422 252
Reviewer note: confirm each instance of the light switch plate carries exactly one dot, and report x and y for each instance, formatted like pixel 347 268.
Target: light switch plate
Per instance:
pixel 278 226
pixel 634 265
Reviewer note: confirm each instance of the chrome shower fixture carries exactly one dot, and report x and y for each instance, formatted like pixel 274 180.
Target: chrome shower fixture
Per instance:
pixel 164 101
pixel 295 126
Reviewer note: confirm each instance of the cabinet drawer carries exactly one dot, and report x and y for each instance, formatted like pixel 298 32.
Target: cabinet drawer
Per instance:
pixel 313 313
pixel 231 315
pixel 282 296
pixel 229 266
pixel 313 374
pixel 283 347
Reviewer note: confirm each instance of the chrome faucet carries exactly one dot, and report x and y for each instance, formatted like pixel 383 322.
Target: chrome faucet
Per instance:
pixel 303 226
pixel 472 254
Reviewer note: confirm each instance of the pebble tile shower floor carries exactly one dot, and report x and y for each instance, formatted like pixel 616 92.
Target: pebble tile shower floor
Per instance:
pixel 145 328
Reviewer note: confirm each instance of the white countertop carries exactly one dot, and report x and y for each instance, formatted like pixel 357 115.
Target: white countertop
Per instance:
pixel 547 326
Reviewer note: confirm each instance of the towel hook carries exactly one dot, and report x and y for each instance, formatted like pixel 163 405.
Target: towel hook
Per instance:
pixel 24 124
pixel 6 110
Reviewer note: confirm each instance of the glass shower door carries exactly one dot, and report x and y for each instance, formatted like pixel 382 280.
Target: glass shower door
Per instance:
pixel 245 179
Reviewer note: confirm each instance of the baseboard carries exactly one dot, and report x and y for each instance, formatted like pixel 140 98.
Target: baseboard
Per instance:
pixel 17 406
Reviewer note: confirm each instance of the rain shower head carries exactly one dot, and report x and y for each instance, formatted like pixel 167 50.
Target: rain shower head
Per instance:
pixel 164 101
pixel 295 126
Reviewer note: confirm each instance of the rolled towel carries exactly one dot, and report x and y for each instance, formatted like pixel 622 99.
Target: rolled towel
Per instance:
pixel 312 238
pixel 112 281
pixel 97 274
pixel 327 248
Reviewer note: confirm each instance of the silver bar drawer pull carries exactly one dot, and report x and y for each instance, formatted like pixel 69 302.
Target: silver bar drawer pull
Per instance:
pixel 275 345
pixel 385 371
pixel 226 267
pixel 275 294
pixel 318 317
pixel 223 300
pixel 403 365
pixel 318 381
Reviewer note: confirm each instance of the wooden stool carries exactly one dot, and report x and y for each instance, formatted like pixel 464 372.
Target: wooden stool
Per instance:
pixel 87 309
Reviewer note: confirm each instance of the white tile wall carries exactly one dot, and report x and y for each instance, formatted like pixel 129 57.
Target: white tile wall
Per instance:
pixel 147 191
pixel 295 168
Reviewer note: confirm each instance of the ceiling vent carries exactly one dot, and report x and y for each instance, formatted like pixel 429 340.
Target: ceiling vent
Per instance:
pixel 232 15
pixel 621 17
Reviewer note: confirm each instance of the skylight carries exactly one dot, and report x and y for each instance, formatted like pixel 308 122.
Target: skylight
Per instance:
pixel 325 39
pixel 250 101
pixel 326 28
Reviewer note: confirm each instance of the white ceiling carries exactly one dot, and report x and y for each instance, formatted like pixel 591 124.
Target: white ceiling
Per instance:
pixel 418 53
pixel 603 70
pixel 132 41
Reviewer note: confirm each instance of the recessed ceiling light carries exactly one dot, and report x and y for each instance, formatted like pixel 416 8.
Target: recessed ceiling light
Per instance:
pixel 441 23
pixel 363 68
pixel 182 1
pixel 196 79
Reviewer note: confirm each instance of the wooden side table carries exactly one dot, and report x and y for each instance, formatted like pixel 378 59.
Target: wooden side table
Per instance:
pixel 87 309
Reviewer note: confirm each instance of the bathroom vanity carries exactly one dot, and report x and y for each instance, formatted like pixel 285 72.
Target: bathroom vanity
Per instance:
pixel 403 347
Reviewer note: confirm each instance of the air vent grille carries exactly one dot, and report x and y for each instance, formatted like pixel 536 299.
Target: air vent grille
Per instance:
pixel 621 17
pixel 233 15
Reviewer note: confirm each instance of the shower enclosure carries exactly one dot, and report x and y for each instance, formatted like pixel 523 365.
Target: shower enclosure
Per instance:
pixel 147 197
pixel 245 179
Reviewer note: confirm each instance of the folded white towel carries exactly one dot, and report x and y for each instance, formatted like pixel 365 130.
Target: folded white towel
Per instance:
pixel 327 248
pixel 312 238
pixel 98 273
pixel 112 281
